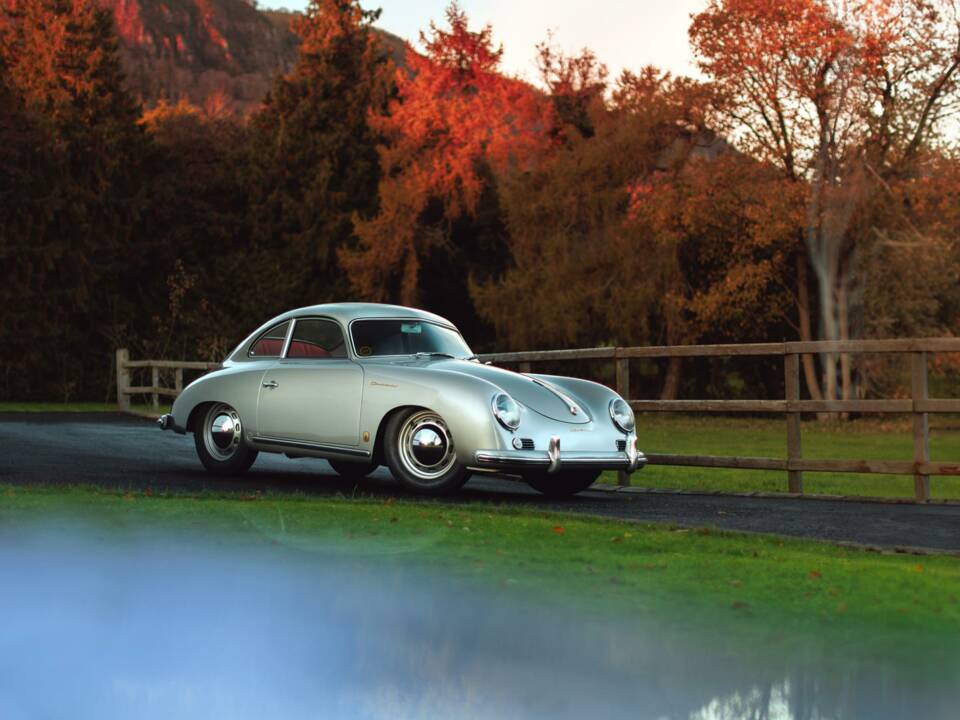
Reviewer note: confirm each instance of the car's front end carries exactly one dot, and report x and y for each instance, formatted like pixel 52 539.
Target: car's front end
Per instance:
pixel 558 424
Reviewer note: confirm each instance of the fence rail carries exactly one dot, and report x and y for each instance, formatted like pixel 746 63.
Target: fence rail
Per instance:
pixel 155 390
pixel 919 405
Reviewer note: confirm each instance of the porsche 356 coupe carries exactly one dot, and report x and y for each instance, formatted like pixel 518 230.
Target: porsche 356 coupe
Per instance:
pixel 363 385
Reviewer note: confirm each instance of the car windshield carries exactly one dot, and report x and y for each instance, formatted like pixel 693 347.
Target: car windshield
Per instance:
pixel 406 337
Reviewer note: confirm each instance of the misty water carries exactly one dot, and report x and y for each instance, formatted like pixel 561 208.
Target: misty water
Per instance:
pixel 104 625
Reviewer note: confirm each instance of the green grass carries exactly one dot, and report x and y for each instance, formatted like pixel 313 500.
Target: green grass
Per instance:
pixel 860 439
pixel 698 578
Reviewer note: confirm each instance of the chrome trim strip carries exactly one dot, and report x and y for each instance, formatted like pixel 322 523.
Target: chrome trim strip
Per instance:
pixel 317 447
pixel 286 342
pixel 568 401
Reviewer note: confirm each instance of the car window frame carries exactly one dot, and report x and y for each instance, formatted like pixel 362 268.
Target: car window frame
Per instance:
pixel 346 346
pixel 283 349
pixel 448 326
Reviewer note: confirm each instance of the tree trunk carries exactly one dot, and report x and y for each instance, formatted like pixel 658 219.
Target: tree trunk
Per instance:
pixel 803 309
pixel 843 310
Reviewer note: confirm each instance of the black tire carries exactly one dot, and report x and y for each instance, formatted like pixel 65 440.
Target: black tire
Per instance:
pixel 564 484
pixel 352 470
pixel 218 436
pixel 430 469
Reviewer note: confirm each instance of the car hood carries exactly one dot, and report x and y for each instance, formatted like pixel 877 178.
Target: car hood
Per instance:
pixel 522 388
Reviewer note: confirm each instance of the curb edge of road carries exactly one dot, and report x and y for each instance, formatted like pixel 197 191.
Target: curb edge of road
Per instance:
pixel 630 490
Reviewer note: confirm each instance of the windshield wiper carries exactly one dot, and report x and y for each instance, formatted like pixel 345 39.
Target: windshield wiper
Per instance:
pixel 435 355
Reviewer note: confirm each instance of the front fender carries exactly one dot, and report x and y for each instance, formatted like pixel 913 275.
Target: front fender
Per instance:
pixel 463 402
pixel 236 384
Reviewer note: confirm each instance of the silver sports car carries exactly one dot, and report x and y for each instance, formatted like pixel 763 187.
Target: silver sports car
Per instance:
pixel 364 385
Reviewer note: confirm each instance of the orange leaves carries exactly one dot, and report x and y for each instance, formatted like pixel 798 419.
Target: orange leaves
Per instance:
pixel 559 530
pixel 453 114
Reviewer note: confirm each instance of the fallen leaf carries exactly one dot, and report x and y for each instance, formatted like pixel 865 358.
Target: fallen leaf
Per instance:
pixel 559 529
pixel 616 539
pixel 394 519
pixel 736 583
pixel 841 607
pixel 739 605
pixel 128 497
pixel 815 574
pixel 390 501
pixel 918 568
pixel 9 492
pixel 148 492
pixel 703 531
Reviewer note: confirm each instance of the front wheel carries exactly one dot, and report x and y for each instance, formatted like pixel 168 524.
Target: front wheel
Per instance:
pixel 564 484
pixel 219 441
pixel 419 451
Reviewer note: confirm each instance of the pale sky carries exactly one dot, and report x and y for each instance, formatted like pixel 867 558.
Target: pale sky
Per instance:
pixel 623 33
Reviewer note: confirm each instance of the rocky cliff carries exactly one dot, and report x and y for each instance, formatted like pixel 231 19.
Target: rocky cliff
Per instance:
pixel 212 52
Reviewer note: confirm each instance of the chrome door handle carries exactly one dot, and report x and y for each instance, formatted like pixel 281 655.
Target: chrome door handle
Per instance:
pixel 271 384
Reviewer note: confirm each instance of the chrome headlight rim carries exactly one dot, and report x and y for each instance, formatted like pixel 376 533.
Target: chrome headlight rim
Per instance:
pixel 625 422
pixel 508 417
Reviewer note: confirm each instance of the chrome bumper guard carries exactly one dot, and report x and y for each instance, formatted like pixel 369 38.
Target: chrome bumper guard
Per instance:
pixel 166 422
pixel 552 460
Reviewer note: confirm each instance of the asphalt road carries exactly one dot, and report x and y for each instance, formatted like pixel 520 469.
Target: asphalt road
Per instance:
pixel 118 451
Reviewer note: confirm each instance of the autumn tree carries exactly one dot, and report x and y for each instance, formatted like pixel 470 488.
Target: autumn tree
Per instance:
pixel 454 120
pixel 646 230
pixel 841 98
pixel 314 163
pixel 61 60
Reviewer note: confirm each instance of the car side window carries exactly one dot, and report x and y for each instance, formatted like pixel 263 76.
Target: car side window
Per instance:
pixel 313 338
pixel 270 344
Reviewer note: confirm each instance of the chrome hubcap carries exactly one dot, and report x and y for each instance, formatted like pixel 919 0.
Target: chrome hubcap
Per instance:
pixel 426 448
pixel 222 432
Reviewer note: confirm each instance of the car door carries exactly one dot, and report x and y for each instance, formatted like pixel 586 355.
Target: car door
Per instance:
pixel 313 393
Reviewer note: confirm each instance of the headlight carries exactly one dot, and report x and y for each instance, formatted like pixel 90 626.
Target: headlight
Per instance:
pixel 622 415
pixel 506 410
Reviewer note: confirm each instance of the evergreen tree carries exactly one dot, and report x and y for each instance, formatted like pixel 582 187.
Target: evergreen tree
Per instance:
pixel 82 261
pixel 314 162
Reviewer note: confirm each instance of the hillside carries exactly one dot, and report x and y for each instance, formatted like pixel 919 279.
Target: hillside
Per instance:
pixel 209 51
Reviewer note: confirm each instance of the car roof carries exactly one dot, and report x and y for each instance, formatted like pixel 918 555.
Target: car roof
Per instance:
pixel 348 312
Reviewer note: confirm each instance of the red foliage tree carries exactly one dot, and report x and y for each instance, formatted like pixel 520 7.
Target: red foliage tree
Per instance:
pixel 454 115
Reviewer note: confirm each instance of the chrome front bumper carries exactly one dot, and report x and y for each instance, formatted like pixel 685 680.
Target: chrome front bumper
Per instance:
pixel 553 459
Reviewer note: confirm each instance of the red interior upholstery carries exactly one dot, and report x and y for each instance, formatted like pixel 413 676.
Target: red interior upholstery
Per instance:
pixel 299 348
pixel 268 347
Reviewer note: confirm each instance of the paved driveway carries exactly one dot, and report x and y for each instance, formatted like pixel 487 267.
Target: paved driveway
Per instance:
pixel 119 451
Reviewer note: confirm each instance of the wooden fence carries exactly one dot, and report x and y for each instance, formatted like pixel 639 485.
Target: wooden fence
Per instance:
pixel 919 405
pixel 126 367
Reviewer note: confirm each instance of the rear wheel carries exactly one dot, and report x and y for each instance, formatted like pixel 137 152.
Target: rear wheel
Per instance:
pixel 219 441
pixel 564 483
pixel 419 450
pixel 352 470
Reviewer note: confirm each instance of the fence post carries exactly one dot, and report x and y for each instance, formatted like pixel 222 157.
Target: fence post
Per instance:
pixel 921 424
pixel 524 367
pixel 123 380
pixel 155 383
pixel 791 382
pixel 623 387
pixel 178 380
